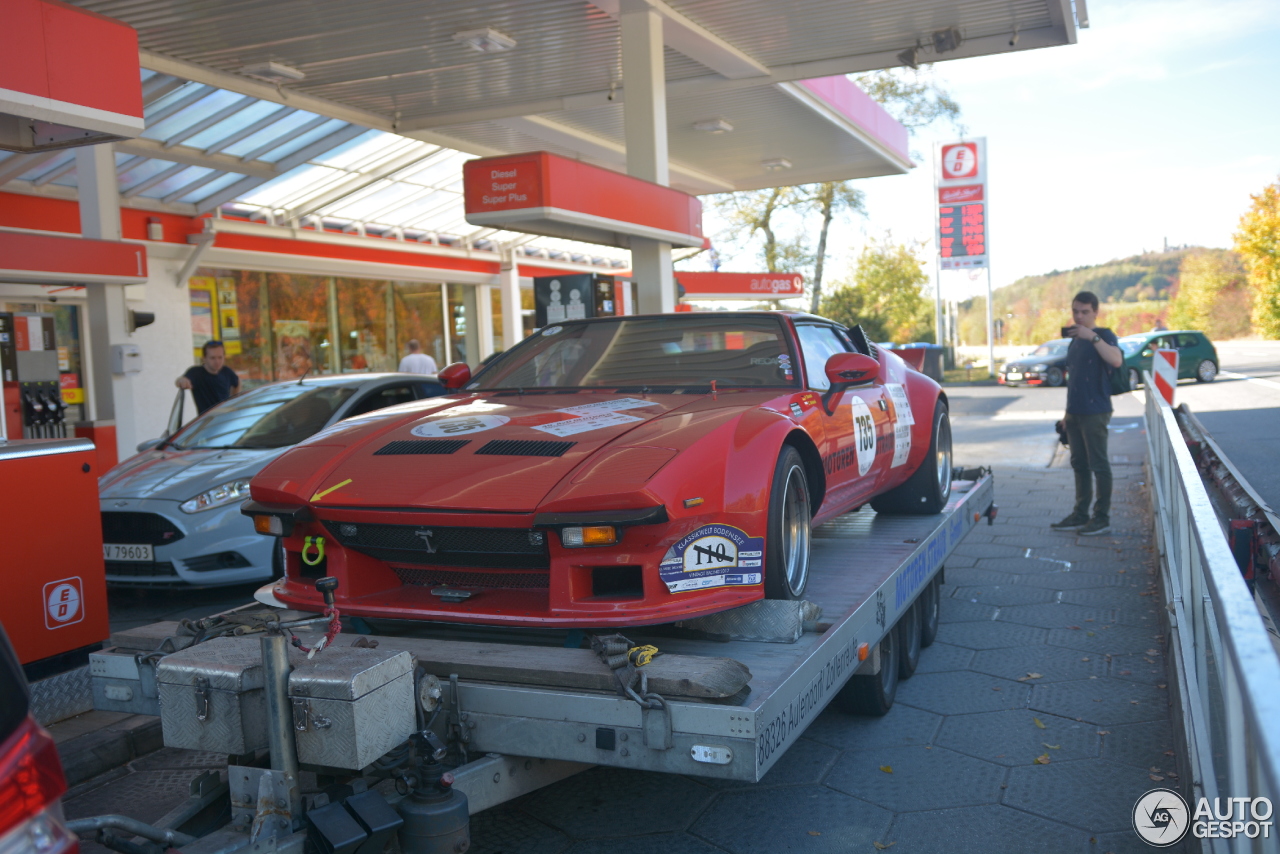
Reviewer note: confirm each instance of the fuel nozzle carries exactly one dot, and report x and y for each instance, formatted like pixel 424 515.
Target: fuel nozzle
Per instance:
pixel 325 586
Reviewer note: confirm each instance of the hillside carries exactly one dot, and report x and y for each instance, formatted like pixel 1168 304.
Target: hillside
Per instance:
pixel 1134 292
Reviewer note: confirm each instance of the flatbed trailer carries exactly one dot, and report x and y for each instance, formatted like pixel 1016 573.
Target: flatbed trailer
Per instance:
pixel 866 571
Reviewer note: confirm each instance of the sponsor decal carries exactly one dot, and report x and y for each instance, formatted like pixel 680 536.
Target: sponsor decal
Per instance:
pixel 713 556
pixel 572 426
pixel 446 427
pixel 902 421
pixel 901 403
pixel 796 410
pixel 619 405
pixel 63 601
pixel 901 444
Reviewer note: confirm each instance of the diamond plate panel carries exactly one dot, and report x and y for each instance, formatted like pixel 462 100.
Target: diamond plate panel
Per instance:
pixel 769 620
pixel 63 696
pixel 352 733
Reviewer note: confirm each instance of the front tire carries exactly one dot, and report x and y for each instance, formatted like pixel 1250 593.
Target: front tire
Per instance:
pixel 873 695
pixel 1135 378
pixel 927 491
pixel 786 572
pixel 1054 377
pixel 1206 371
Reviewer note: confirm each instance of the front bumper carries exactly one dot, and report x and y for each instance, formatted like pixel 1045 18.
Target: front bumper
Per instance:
pixel 214 548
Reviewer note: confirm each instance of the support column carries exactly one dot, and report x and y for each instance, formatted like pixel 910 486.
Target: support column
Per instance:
pixel 478 313
pixel 645 112
pixel 509 282
pixel 108 315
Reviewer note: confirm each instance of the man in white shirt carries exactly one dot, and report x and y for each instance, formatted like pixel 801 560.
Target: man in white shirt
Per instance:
pixel 417 362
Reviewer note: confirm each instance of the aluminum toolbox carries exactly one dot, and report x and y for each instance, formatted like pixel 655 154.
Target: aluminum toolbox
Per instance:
pixel 211 696
pixel 351 705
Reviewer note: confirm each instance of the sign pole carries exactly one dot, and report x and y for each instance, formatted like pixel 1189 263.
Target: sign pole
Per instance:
pixel 937 299
pixel 991 341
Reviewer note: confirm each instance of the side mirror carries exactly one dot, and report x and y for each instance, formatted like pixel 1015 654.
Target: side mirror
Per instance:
pixel 455 376
pixel 150 443
pixel 849 369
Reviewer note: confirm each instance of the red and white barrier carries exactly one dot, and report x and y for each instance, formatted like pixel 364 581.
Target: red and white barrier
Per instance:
pixel 1164 368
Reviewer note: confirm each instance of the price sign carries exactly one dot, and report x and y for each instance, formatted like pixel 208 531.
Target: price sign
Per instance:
pixel 962 204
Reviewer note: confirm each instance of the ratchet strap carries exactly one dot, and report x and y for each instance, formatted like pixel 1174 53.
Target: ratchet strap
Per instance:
pixel 626 661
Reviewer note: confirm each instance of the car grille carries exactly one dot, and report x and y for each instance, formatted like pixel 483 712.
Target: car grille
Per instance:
pixel 406 447
pixel 433 545
pixel 494 580
pixel 133 528
pixel 211 563
pixel 125 569
pixel 525 448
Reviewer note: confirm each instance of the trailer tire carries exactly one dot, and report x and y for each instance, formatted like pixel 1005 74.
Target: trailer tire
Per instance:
pixel 930 610
pixel 786 548
pixel 927 491
pixel 909 639
pixel 873 695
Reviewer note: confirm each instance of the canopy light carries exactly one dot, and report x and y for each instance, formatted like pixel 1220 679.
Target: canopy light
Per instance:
pixel 776 164
pixel 713 126
pixel 485 41
pixel 947 40
pixel 908 58
pixel 273 72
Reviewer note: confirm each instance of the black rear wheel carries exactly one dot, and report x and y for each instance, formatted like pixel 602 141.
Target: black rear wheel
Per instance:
pixel 786 571
pixel 926 492
pixel 909 640
pixel 930 610
pixel 873 694
pixel 1054 377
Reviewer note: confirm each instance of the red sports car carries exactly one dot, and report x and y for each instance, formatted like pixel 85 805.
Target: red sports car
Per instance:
pixel 609 472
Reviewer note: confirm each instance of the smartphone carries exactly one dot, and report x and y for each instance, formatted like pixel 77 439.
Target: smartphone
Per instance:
pixel 1066 331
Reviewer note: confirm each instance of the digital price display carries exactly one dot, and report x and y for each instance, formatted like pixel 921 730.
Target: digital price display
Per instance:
pixel 962 234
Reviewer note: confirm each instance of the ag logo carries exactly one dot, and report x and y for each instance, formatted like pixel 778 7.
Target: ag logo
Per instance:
pixel 1160 817
pixel 63 603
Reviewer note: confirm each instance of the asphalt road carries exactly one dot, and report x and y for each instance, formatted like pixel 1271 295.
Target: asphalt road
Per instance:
pixel 1241 410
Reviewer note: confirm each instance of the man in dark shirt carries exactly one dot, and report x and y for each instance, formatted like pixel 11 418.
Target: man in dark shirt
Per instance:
pixel 211 381
pixel 1091 358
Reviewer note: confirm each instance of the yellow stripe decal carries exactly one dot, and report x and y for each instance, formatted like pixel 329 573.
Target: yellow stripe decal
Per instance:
pixel 320 495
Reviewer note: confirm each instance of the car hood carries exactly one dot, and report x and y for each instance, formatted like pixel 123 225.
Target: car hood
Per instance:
pixel 495 452
pixel 179 475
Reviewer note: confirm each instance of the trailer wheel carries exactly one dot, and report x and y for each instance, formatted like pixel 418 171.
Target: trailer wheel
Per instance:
pixel 873 695
pixel 786 566
pixel 909 639
pixel 930 608
pixel 926 492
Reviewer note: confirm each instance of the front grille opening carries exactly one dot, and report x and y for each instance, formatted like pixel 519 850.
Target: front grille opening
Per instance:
pixel 617 582
pixel 134 528
pixel 221 560
pixel 123 569
pixel 493 580
pixel 525 448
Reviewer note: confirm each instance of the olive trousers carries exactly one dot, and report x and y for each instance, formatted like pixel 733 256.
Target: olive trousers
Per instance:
pixel 1087 437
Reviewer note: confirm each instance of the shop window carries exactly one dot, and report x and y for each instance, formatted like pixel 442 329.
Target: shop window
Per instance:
pixel 458 324
pixel 419 314
pixel 362 325
pixel 300 330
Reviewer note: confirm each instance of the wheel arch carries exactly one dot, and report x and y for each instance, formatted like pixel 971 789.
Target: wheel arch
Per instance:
pixel 813 470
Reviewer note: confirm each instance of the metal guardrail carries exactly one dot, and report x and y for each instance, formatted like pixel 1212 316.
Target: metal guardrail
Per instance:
pixel 1226 669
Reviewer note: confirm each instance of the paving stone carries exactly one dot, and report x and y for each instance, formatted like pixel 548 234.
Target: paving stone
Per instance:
pixel 804 762
pixel 602 802
pixel 1092 794
pixel 991 829
pixel 1128 842
pixel 953 610
pixel 986 549
pixel 768 821
pixel 1053 663
pixel 1105 702
pixel 1126 598
pixel 1002 595
pixel 1142 745
pixel 506 829
pixel 1117 640
pixel 922 778
pixel 1055 615
pixel 989 635
pixel 1073 580
pixel 941 657
pixel 1012 738
pixel 902 726
pixel 961 692
pixel 978 577
pixel 658 843
pixel 1140 667
pixel 955 561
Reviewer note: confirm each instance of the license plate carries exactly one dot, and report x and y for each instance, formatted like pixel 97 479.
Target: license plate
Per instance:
pixel 1013 375
pixel 127 553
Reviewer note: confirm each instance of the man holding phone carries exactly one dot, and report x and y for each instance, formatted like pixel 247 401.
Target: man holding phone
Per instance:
pixel 1091 358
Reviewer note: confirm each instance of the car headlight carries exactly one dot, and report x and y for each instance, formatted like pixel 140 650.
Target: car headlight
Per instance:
pixel 1040 368
pixel 236 490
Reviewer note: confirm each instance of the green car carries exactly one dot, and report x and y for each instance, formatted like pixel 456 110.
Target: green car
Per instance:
pixel 1197 357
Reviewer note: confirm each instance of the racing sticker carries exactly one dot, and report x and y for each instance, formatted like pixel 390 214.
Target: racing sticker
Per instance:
pixel 459 426
pixel 902 421
pixel 901 443
pixel 618 405
pixel 713 556
pixel 901 404
pixel 864 432
pixel 571 426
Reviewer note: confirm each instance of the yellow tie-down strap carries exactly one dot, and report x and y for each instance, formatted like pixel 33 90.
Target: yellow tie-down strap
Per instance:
pixel 641 655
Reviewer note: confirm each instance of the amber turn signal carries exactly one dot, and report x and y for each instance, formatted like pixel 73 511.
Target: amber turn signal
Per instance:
pixel 598 535
pixel 270 525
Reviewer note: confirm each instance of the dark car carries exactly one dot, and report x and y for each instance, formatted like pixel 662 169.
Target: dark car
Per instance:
pixel 1197 357
pixel 1047 365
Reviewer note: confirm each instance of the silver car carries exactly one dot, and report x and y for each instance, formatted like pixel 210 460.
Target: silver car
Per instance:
pixel 171 514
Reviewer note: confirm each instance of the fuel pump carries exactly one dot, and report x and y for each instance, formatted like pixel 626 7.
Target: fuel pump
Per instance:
pixel 33 406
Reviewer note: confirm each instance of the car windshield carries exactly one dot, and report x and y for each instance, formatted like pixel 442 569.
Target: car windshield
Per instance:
pixel 1131 345
pixel 679 351
pixel 271 417
pixel 1052 348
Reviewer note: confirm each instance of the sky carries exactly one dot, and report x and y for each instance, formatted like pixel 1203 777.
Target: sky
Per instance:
pixel 1158 124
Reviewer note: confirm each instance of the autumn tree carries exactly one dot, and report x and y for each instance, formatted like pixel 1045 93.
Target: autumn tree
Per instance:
pixel 1213 295
pixel 1258 241
pixel 886 294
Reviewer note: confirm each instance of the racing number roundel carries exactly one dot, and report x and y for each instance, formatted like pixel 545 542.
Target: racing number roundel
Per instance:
pixel 864 434
pixel 446 427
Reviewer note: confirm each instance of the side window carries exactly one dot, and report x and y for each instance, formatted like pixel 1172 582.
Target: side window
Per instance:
pixel 819 343
pixel 430 389
pixel 381 398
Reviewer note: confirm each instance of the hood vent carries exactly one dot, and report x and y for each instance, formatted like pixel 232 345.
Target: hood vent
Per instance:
pixel 421 446
pixel 525 448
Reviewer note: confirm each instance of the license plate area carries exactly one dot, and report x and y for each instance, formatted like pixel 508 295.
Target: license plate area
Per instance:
pixel 127 553
pixel 1013 375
